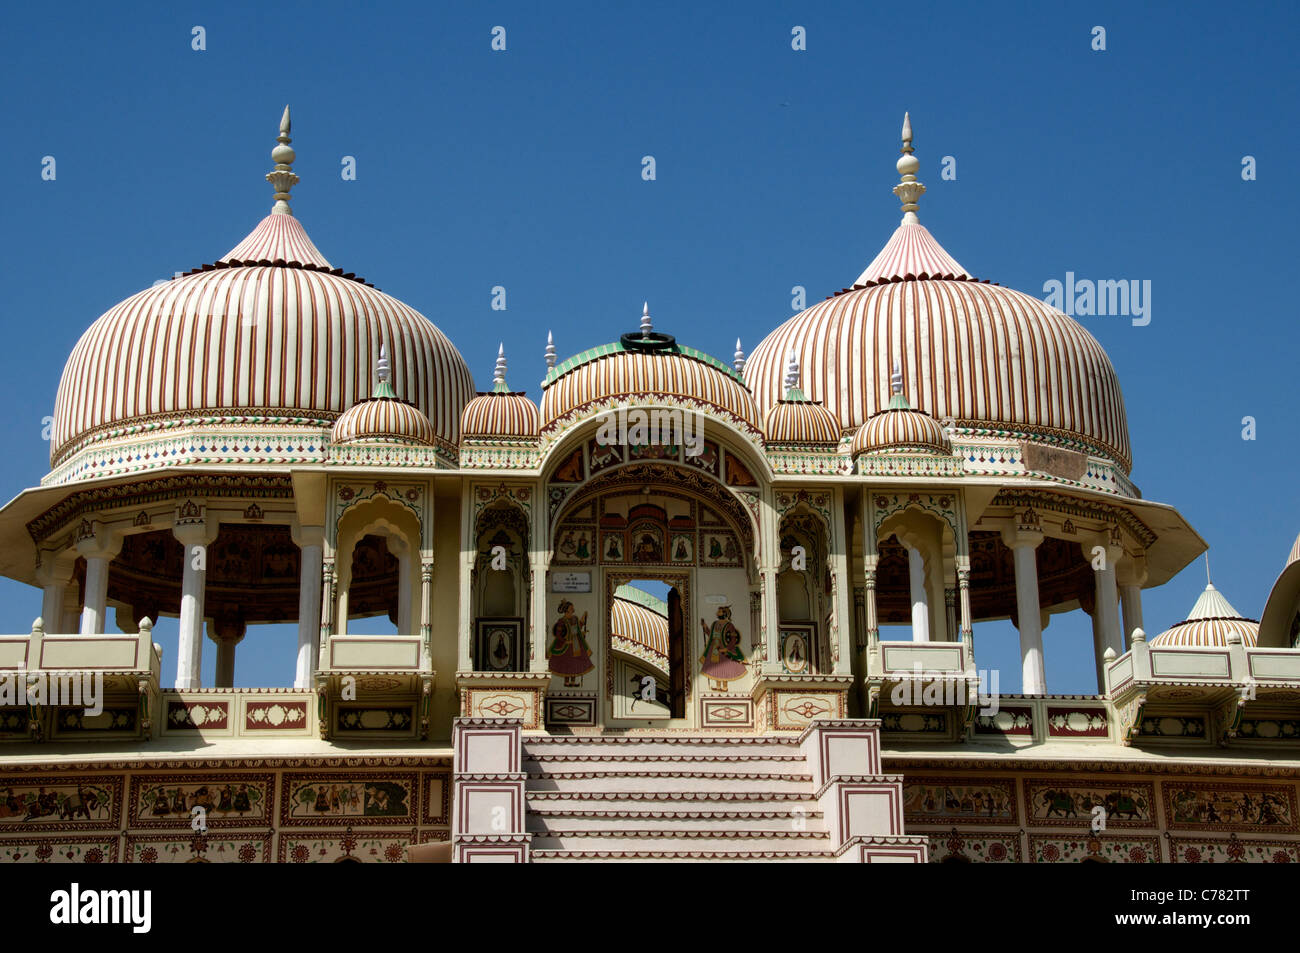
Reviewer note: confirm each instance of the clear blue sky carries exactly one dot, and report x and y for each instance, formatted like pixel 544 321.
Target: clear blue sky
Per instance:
pixel 523 169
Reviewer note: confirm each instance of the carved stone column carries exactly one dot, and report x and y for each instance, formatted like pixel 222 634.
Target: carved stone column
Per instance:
pixel 311 545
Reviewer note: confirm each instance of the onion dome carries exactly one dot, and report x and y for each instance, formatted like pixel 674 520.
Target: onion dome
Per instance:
pixel 383 417
pixel 270 337
pixel 900 429
pixel 796 419
pixel 645 367
pixel 988 357
pixel 1294 555
pixel 499 412
pixel 1210 623
pixel 639 625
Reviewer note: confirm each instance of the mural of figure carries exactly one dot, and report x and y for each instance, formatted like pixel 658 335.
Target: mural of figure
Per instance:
pixel 722 660
pixel 584 548
pixel 569 654
pixel 241 800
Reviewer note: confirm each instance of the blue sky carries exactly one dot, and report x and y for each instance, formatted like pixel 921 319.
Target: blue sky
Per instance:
pixel 774 168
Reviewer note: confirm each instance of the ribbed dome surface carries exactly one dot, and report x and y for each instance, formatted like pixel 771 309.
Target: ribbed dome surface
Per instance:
pixel 499 414
pixel 255 341
pixel 639 617
pixel 901 429
pixel 612 371
pixel 987 356
pixel 1294 555
pixel 383 420
pixel 1210 623
pixel 800 421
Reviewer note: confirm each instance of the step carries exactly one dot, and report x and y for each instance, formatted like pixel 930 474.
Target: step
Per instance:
pixel 611 745
pixel 748 762
pixel 690 839
pixel 607 800
pixel 802 856
pixel 543 818
pixel 673 780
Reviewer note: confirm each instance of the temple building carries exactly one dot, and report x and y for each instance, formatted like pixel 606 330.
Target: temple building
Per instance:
pixel 682 608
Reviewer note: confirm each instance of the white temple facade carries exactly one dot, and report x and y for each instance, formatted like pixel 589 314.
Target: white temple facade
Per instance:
pixel 682 608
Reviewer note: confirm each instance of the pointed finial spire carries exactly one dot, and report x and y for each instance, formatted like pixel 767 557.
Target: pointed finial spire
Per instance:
pixel 282 177
pixel 908 189
pixel 1208 582
pixel 499 375
pixel 382 386
pixel 738 359
pixel 646 324
pixel 550 352
pixel 897 401
pixel 792 389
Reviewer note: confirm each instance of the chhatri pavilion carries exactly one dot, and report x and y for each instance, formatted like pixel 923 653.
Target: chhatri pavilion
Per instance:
pixel 684 608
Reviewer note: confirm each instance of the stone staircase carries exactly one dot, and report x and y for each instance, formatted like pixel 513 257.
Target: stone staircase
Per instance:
pixel 671 797
pixel 817 797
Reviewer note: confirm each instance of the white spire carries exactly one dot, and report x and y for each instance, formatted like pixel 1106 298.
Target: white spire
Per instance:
pixel 381 365
pixel 896 378
pixel 550 351
pixel 499 375
pixel 282 178
pixel 1208 581
pixel 908 189
pixel 738 359
pixel 646 324
pixel 792 370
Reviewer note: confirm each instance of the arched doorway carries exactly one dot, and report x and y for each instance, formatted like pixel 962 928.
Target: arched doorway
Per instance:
pixel 652 546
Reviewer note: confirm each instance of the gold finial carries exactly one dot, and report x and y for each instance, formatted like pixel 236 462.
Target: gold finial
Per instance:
pixel 282 178
pixel 908 189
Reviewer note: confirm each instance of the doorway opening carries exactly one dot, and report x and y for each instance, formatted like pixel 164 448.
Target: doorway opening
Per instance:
pixel 648 641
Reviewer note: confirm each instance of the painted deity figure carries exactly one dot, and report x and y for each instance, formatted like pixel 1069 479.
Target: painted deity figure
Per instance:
pixel 569 654
pixel 722 660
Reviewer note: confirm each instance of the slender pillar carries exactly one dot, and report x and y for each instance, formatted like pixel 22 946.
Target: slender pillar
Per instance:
pixel 311 545
pixel 99 550
pixel 1131 575
pixel 1130 598
pixel 963 607
pixel 1023 542
pixel 54 577
pixel 426 614
pixel 227 632
pixel 326 614
pixel 194 536
pixel 872 632
pixel 920 598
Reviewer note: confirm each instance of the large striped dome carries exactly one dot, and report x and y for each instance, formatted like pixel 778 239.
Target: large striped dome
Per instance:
pixel 986 356
pixel 989 357
pixel 271 334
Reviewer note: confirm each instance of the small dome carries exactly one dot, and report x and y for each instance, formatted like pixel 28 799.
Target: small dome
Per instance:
pixel 499 412
pixel 800 421
pixel 1294 555
pixel 796 419
pixel 383 418
pixel 1212 620
pixel 899 428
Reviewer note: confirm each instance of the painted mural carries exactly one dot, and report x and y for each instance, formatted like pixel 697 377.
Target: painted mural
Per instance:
pixel 1224 807
pixel 722 661
pixel 1073 804
pixel 961 800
